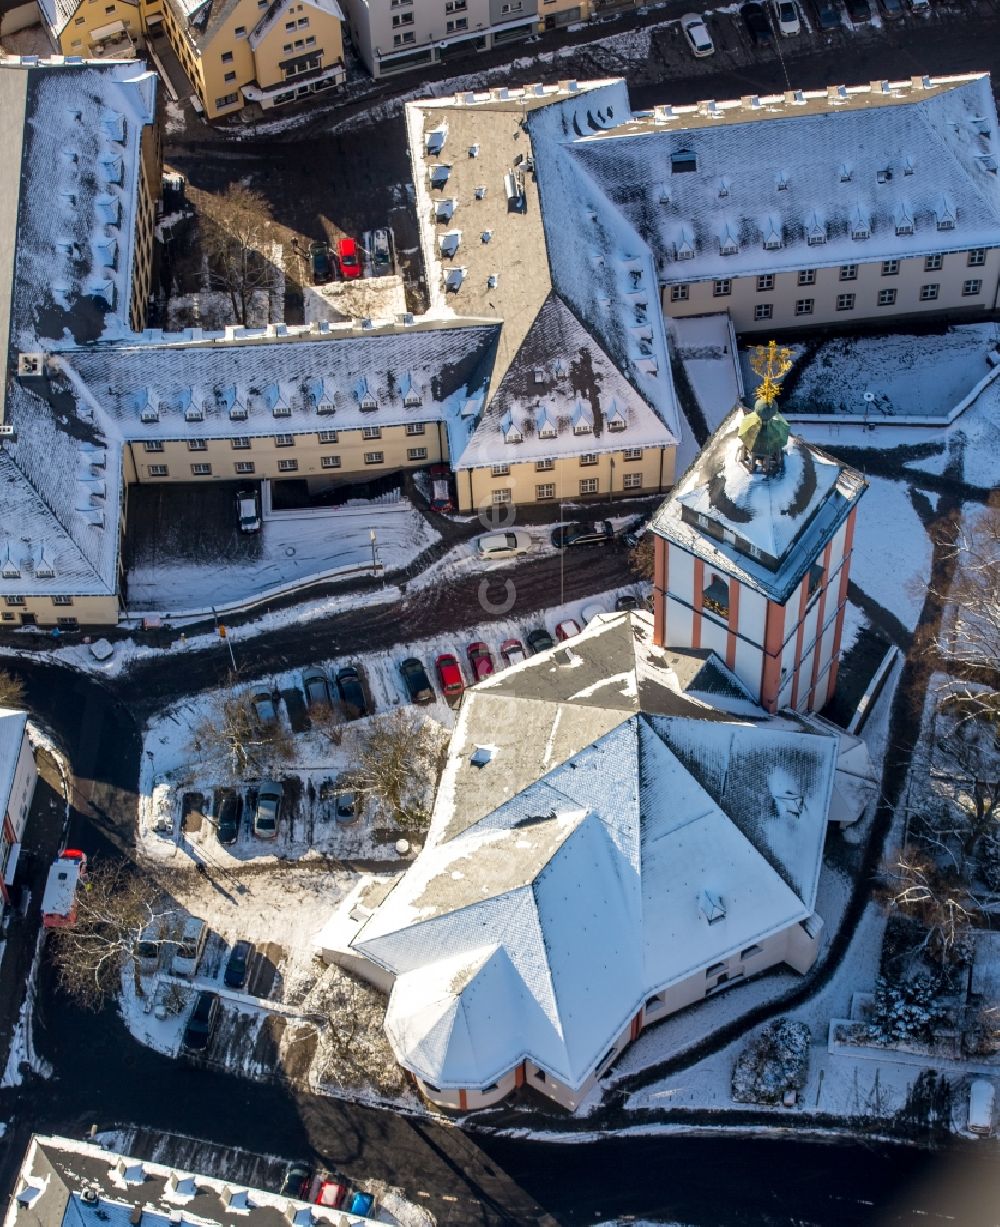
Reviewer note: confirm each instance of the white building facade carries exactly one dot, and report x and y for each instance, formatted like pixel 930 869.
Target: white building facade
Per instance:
pixel 18 776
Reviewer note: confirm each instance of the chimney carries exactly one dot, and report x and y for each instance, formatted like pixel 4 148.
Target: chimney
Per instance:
pixel 135 1218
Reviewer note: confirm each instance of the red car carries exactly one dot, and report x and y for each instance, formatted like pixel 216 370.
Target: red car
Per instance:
pixel 441 499
pixel 566 630
pixel 480 660
pixel 347 254
pixel 330 1193
pixel 450 675
pixel 512 651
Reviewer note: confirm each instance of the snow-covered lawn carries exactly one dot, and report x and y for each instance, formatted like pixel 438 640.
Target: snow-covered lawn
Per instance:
pixel 892 552
pixel 380 299
pixel 295 546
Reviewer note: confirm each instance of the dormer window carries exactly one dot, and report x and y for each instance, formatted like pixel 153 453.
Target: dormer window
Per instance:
pixel 884 176
pixel 846 174
pixel 781 182
pixel 683 162
pixel 510 432
pixel 546 427
pixel 728 243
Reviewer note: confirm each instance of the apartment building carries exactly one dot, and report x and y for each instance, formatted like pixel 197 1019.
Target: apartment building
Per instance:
pixel 18 776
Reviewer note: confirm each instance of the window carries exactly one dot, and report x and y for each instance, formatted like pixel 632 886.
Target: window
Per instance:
pixel 158 470
pixel 722 288
pixel 715 970
pixel 109 9
pixel 371 432
pixel 330 462
pixel 976 258
pixel 240 31
pixel 887 298
pixel 311 40
pixel 848 272
pixel 62 600
pixel 240 443
pixel 678 293
pixel 401 40
pixel 750 953
pixel 456 6
pixel 804 306
pixel 66 621
pixel 287 47
pixel 588 458
pixel 765 282
pixel 971 288
pixel 284 441
pixel 287 466
pixel 303 22
pixel 227 57
pixel 201 470
pixel 548 490
pixel 153 445
pixel 544 466
pixel 289 25
pixel 890 268
pixel 928 293
pixel 815 578
pixel 511 6
pixel 807 276
pixel 327 436
pixel 456 24
pixel 632 481
pixel 416 453
pixel 500 470
pixel 230 76
pixel 197 445
pixel 763 311
pixel 402 19
pixel 845 302
pixel 227 100
pixel 14 600
pixel 933 263
pixel 715 598
pixel 79 21
pixel 589 485
pixel 414 428
pixel 244 467
pixel 632 453
pixel 374 457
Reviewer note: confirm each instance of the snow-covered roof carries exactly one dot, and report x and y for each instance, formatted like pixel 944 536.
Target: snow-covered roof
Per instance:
pixel 66 1183
pixel 12 726
pixel 565 881
pixel 836 176
pixel 763 530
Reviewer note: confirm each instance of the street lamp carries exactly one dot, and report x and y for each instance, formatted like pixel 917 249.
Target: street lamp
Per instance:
pixel 374 544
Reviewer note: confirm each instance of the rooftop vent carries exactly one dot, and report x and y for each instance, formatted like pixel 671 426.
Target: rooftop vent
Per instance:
pixel 444 209
pixel 439 174
pixel 453 279
pixel 473 151
pixel 513 184
pixel 480 191
pixel 436 138
pixel 29 365
pixel 450 243
pixel 492 281
pixel 711 906
pixel 482 755
pixel 486 235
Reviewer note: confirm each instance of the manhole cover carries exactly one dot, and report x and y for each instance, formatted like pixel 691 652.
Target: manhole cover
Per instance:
pixel 289 551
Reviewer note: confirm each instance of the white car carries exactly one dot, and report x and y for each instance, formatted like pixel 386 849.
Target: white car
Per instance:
pixel 697 35
pixel 786 14
pixel 503 545
pixel 590 612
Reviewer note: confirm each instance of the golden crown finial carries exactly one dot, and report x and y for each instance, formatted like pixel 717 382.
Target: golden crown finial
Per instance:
pixel 772 363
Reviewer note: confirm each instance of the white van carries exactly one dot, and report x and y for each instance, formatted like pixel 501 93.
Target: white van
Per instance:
pixel 981 1096
pixel 248 511
pixel 190 947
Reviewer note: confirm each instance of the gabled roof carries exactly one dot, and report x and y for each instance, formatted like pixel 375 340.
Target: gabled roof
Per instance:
pixel 564 881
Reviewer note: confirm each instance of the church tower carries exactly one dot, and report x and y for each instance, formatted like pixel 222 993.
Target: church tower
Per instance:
pixel 752 552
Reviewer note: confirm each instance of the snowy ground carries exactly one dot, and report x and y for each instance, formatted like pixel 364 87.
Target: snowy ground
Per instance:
pixel 380 299
pixel 295 546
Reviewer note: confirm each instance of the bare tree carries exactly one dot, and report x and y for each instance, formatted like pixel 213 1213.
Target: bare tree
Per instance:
pixel 237 230
pixel 970 644
pixel 11 690
pixel 640 557
pixel 247 743
pixel 916 886
pixel 399 760
pixel 114 908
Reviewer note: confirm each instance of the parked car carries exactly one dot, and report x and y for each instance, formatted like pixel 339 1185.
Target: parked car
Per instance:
pixel 634 530
pixel 149 946
pixel 296 1181
pixel 190 947
pixel 626 603
pixel 317 688
pixel 540 640
pixel 591 611
pixel 859 11
pixel 512 651
pixel 248 511
pixel 201 1025
pixel 828 15
pixel 360 1203
pixel 758 27
pixel 66 873
pixel 268 810
pixel 892 10
pixel 567 629
pixel 697 35
pixel 981 1100
pixel 238 965
pixel 920 6
pixel 352 693
pixel 449 675
pixel 227 815
pixel 418 685
pixel 347 257
pixel 382 250
pixel 598 532
pixel 441 498
pixel 480 660
pixel 347 808
pixel 263 706
pixel 786 15
pixel 330 1193
pixel 503 545
pixel 320 268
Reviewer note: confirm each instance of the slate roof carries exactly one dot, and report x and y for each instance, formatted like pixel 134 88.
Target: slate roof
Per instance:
pixel 564 882
pixel 881 171
pixel 721 513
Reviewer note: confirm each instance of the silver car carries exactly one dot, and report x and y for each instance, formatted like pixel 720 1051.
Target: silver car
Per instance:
pixel 268 810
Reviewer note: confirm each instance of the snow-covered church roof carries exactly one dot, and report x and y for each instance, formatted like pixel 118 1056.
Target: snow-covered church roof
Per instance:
pixel 636 819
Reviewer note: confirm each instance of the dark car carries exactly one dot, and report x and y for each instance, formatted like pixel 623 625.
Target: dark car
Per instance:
pixel 634 529
pixel 296 1181
pixel 829 16
pixel 539 640
pixel 316 687
pixel 626 602
pixel 892 10
pixel 859 11
pixel 201 1024
pixel 320 267
pixel 758 27
pixel 352 693
pixel 595 533
pixel 227 815
pixel 239 963
pixel 418 685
